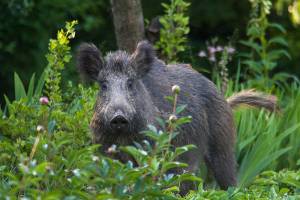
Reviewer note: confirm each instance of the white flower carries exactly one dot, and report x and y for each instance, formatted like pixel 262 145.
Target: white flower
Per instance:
pixel 24 167
pixel 202 54
pixel 76 172
pixel 34 173
pixel 95 158
pixel 112 149
pixel 33 163
pixel 45 146
pixel 52 173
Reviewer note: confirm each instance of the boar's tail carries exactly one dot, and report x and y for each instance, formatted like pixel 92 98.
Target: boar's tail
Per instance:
pixel 253 99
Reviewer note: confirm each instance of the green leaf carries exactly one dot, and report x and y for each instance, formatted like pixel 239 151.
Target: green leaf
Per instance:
pixel 278 40
pixel 40 84
pixel 252 45
pixel 180 108
pixel 183 149
pixel 275 54
pixel 6 100
pixel 184 120
pixel 51 126
pixel 31 87
pixel 278 27
pixel 19 87
pixel 170 165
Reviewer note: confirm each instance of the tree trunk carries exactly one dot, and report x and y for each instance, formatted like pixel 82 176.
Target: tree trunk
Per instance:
pixel 128 23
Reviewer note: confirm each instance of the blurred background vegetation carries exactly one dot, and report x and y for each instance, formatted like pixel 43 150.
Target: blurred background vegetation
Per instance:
pixel 26 26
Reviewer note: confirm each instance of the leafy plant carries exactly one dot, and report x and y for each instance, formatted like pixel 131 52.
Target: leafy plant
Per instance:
pixel 173 34
pixel 264 52
pixel 59 54
pixel 268 185
pixel 53 156
pixel 267 141
pixel 32 91
pixel 218 57
pixel 260 144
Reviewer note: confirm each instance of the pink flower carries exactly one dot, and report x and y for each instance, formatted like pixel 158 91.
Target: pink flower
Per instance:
pixel 44 100
pixel 212 49
pixel 219 49
pixel 230 50
pixel 202 54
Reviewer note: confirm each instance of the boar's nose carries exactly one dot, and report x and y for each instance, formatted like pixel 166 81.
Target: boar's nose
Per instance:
pixel 119 122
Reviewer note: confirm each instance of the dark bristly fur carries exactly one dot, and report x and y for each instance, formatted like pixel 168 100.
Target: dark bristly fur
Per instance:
pixel 135 86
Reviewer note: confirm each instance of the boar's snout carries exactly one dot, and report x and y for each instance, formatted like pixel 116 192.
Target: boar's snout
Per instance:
pixel 119 122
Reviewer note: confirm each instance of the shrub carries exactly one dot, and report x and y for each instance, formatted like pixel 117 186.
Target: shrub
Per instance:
pixel 173 34
pixel 264 52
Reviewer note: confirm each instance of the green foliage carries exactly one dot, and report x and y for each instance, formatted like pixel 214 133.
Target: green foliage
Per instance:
pixel 264 52
pixel 40 143
pixel 59 54
pixel 267 140
pixel 268 185
pixel 33 90
pixel 260 143
pixel 46 152
pixel 173 35
pixel 64 163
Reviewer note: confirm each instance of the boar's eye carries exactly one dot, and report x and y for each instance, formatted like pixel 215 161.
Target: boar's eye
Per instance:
pixel 130 83
pixel 103 86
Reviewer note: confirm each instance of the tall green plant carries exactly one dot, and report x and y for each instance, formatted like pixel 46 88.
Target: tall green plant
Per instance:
pixel 264 51
pixel 173 35
pixel 59 54
pixel 289 118
pixel 267 141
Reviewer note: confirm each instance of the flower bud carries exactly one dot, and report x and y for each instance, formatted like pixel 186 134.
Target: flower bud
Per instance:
pixel 40 128
pixel 175 89
pixel 44 100
pixel 172 118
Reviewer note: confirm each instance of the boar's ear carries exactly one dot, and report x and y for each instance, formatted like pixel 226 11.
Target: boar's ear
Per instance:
pixel 143 57
pixel 89 61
